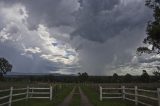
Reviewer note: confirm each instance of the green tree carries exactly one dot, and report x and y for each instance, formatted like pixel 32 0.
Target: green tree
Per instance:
pixel 157 74
pixel 83 77
pixel 115 77
pixel 145 77
pixel 5 66
pixel 153 29
pixel 128 78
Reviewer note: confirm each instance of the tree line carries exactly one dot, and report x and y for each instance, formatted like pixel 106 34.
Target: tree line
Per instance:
pixel 85 78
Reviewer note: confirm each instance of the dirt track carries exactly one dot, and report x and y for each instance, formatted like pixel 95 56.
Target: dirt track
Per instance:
pixel 68 99
pixel 84 99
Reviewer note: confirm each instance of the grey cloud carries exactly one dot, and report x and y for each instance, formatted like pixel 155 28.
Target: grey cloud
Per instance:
pixel 109 36
pixel 94 7
pixel 28 49
pixel 49 12
pixel 105 33
pixel 149 60
pixel 99 21
pixel 97 58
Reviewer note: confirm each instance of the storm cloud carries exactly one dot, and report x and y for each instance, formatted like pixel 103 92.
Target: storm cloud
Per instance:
pixel 110 36
pixel 98 37
pixel 100 21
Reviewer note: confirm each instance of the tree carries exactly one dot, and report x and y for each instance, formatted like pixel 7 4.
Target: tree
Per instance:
pixel 145 77
pixel 83 77
pixel 115 77
pixel 153 29
pixel 5 66
pixel 157 74
pixel 128 78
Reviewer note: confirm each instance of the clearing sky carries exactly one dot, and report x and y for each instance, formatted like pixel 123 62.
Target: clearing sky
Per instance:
pixel 99 37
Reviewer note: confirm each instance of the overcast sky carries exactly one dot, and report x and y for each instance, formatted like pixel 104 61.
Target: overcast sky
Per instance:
pixel 99 37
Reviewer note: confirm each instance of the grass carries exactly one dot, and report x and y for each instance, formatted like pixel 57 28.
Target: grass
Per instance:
pixel 61 93
pixel 93 96
pixel 58 98
pixel 76 99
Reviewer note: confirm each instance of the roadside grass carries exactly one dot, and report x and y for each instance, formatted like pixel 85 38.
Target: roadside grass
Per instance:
pixel 76 99
pixel 93 96
pixel 61 94
pixel 58 97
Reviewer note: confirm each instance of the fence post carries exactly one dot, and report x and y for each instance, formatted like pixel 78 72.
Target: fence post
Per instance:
pixel 158 92
pixel 50 92
pixel 136 95
pixel 31 92
pixel 10 97
pixel 27 93
pixel 123 92
pixel 100 93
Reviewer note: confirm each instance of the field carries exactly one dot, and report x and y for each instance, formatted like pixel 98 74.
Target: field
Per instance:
pixel 62 91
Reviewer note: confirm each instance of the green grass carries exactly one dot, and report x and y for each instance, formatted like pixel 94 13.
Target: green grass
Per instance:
pixel 58 98
pixel 61 94
pixel 76 99
pixel 93 96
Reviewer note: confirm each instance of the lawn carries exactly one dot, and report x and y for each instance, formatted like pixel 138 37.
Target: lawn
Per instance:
pixel 93 96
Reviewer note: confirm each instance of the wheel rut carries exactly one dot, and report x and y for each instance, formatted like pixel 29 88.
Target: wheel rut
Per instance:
pixel 68 99
pixel 84 99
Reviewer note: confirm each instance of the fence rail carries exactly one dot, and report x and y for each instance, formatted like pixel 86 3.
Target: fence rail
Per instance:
pixel 27 93
pixel 135 94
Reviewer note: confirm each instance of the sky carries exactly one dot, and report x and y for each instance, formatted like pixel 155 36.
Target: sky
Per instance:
pixel 99 37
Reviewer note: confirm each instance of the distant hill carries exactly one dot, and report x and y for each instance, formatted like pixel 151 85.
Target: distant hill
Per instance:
pixel 11 74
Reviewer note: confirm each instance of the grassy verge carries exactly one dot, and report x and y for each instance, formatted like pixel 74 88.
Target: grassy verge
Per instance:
pixel 59 96
pixel 76 99
pixel 62 93
pixel 93 96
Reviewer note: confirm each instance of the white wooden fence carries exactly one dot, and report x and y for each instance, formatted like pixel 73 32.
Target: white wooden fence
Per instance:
pixel 24 94
pixel 134 93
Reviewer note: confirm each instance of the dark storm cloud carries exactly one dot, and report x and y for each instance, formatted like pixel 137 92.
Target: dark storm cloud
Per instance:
pixel 94 6
pixel 99 21
pixel 51 12
pixel 99 58
pixel 108 37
